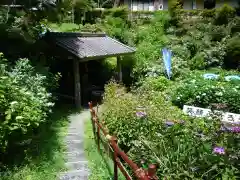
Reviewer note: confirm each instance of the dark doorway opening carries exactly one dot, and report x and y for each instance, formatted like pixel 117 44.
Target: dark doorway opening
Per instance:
pixel 209 4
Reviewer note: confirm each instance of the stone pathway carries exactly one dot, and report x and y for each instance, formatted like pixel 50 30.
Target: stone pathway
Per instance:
pixel 76 162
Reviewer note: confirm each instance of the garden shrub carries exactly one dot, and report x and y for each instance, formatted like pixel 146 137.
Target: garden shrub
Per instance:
pixel 235 25
pixel 223 14
pixel 175 10
pixel 25 101
pixel 200 92
pixel 115 27
pixel 214 53
pixel 120 114
pixel 232 59
pixel 150 130
pixel 208 13
pixel 159 83
pixel 197 62
pixel 217 33
pixel 120 12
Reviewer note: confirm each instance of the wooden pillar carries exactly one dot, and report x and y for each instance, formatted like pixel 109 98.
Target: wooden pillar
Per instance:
pixel 119 67
pixel 77 83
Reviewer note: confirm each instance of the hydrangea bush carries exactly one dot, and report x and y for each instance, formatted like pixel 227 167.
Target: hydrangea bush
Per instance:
pixel 24 101
pixel 201 92
pixel 151 130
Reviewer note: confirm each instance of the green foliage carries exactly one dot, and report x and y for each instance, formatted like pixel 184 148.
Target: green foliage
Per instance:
pixel 208 13
pixel 120 114
pixel 197 62
pixel 160 83
pixel 180 151
pixel 43 157
pixel 218 33
pixel 65 27
pixel 200 92
pixel 175 12
pixel 119 12
pixel 25 101
pixel 115 27
pixel 232 59
pixel 235 25
pixel 223 14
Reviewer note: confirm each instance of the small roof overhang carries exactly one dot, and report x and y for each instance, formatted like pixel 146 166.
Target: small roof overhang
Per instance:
pixel 89 46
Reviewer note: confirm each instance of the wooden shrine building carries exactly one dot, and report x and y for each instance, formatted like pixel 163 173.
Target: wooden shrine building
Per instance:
pixel 77 49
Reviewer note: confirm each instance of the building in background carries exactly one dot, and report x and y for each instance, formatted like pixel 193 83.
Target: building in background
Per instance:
pixel 154 5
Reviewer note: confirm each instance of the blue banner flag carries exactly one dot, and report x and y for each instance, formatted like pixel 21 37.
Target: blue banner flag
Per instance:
pixel 167 55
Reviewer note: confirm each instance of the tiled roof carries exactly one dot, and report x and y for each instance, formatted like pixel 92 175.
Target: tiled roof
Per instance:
pixel 90 45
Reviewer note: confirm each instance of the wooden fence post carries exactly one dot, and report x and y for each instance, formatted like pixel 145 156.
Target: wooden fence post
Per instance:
pixel 115 156
pixel 152 168
pixel 98 133
pixel 92 118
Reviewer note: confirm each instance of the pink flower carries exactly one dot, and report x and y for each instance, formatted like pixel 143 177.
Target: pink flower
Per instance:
pixel 236 129
pixel 141 114
pixel 219 150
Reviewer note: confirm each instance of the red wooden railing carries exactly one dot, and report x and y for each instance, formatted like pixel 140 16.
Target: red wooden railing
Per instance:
pixel 118 154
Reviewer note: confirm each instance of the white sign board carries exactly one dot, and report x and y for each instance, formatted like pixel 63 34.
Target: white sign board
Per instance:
pixel 134 8
pixel 202 112
pixel 196 111
pixel 231 117
pixel 151 8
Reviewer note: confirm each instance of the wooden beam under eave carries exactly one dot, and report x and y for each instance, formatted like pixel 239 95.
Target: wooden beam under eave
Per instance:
pixel 119 68
pixel 77 83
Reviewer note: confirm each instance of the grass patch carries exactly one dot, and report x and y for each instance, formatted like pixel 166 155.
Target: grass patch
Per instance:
pixel 101 166
pixel 43 157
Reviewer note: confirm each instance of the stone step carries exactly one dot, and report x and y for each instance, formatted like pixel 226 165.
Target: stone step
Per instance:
pixel 74 175
pixel 75 155
pixel 74 142
pixel 74 129
pixel 73 148
pixel 78 165
pixel 74 134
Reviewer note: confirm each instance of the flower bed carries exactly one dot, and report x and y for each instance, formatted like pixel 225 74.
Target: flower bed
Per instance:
pixel 158 132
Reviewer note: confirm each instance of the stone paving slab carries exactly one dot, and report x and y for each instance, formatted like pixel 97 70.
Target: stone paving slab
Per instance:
pixel 78 165
pixel 75 156
pixel 74 175
pixel 76 162
pixel 74 143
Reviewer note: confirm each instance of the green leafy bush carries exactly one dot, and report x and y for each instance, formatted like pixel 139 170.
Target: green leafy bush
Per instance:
pixel 144 125
pixel 223 14
pixel 120 12
pixel 197 62
pixel 232 59
pixel 160 83
pixel 200 92
pixel 217 33
pixel 120 114
pixel 208 13
pixel 24 103
pixel 235 25
pixel 175 12
pixel 115 27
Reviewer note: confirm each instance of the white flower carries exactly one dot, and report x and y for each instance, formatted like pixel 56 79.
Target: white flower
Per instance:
pixel 14 102
pixel 19 117
pixel 204 94
pixel 27 93
pixel 50 104
pixel 198 97
pixel 219 93
pixel 178 98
